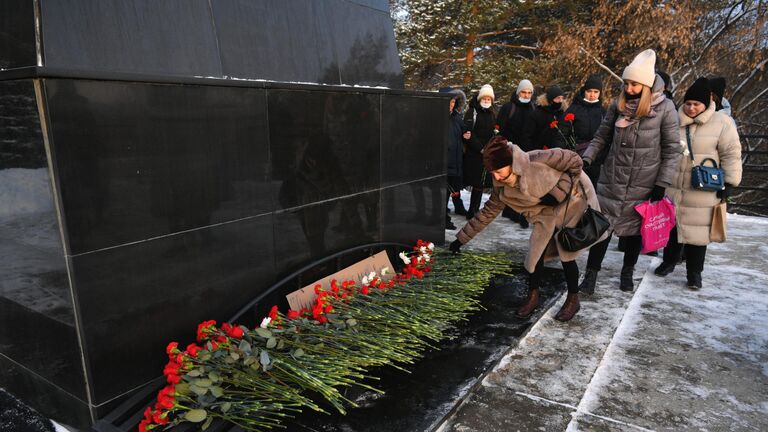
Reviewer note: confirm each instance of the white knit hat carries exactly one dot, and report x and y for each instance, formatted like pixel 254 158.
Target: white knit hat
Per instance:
pixel 524 85
pixel 486 90
pixel 642 69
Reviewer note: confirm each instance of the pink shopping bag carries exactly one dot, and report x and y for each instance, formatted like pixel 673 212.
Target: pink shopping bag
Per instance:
pixel 658 221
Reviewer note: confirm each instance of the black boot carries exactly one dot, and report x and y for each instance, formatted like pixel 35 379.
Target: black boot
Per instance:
pixel 448 224
pixel 458 206
pixel 665 268
pixel 524 222
pixel 588 284
pixel 694 280
pixel 626 283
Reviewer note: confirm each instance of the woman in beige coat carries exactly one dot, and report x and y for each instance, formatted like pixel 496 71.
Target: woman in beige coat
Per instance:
pixel 712 135
pixel 537 185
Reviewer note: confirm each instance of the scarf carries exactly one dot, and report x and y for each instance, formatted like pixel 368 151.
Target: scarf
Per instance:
pixel 627 117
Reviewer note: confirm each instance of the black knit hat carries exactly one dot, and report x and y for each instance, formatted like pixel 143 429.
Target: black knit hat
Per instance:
pixel 699 91
pixel 717 84
pixel 497 153
pixel 553 92
pixel 667 79
pixel 594 82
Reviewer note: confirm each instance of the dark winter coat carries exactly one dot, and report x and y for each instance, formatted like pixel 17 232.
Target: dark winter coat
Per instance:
pixel 641 155
pixel 587 118
pixel 455 144
pixel 481 123
pixel 517 128
pixel 542 135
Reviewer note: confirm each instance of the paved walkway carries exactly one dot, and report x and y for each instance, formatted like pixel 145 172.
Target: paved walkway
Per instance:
pixel 661 358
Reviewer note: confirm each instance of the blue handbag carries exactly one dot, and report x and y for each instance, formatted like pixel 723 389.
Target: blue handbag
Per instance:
pixel 704 177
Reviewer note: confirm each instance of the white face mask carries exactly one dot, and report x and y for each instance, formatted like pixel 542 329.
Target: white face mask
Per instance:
pixel 485 105
pixel 589 101
pixel 526 100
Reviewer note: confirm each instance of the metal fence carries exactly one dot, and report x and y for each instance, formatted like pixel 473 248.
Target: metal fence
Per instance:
pixel 751 197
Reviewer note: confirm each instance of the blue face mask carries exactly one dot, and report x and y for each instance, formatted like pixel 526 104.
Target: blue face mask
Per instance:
pixel 526 100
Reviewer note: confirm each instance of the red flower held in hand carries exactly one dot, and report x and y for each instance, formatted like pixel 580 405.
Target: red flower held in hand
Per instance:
pixel 569 117
pixel 553 125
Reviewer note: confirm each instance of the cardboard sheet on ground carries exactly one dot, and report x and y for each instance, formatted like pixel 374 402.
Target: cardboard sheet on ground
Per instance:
pixel 304 297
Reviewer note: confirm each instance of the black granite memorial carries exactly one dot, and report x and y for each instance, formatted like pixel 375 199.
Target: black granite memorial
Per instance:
pixel 161 163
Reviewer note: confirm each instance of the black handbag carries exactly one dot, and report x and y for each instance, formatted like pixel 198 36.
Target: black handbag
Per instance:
pixel 587 231
pixel 703 177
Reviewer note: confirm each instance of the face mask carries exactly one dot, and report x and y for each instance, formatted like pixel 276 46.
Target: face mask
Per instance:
pixel 556 105
pixel 589 101
pixel 524 100
pixel 485 105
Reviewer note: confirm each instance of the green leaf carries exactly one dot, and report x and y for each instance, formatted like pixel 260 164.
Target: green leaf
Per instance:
pixel 265 333
pixel 204 356
pixel 182 388
pixel 226 406
pixel 198 390
pixel 245 347
pixel 217 391
pixel 207 423
pixel 264 359
pixel 195 415
pixel 235 356
pixel 202 382
pixel 351 322
pixel 249 360
pixel 298 353
pixel 280 344
pixel 194 373
pixel 214 376
pixel 271 343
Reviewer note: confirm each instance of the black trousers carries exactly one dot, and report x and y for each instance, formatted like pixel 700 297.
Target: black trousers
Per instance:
pixel 570 268
pixel 694 255
pixel 632 246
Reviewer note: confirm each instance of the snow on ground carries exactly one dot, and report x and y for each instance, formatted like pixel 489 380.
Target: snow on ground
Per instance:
pixel 661 358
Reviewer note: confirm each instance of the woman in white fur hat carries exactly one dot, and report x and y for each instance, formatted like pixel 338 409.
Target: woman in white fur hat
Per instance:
pixel 640 132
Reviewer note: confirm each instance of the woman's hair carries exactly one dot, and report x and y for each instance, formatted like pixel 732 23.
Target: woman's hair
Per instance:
pixel 643 106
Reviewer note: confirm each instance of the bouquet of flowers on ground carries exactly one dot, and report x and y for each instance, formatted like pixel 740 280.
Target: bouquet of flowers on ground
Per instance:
pixel 257 377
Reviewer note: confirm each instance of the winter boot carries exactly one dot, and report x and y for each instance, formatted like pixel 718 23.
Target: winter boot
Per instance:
pixel 458 206
pixel 449 224
pixel 665 268
pixel 587 285
pixel 694 280
pixel 530 305
pixel 570 307
pixel 626 283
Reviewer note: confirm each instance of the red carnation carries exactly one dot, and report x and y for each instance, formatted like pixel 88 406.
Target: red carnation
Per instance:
pixel 292 314
pixel 553 125
pixel 569 117
pixel 171 348
pixel 273 312
pixel 192 350
pixel 236 332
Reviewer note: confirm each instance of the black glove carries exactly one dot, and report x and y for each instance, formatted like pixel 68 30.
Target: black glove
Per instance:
pixel 455 246
pixel 657 193
pixel 725 193
pixel 548 200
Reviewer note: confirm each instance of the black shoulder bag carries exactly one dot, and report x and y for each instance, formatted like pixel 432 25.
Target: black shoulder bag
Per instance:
pixel 587 231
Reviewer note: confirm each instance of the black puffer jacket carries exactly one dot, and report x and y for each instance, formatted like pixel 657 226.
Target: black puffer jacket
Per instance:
pixel 455 144
pixel 517 128
pixel 542 135
pixel 481 123
pixel 587 118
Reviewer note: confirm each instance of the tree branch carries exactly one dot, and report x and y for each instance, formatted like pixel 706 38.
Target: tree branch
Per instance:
pixel 743 107
pixel 757 68
pixel 503 45
pixel 501 32
pixel 600 64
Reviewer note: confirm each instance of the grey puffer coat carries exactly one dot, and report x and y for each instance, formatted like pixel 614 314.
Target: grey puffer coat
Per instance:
pixel 641 155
